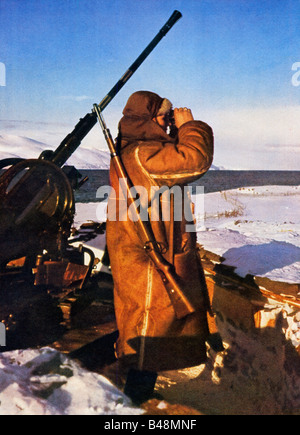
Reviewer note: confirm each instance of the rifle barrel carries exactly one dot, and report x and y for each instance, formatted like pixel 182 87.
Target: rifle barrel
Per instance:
pixel 181 303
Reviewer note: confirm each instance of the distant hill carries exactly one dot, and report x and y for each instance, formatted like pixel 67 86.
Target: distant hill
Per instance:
pixel 217 168
pixel 83 157
pixel 24 147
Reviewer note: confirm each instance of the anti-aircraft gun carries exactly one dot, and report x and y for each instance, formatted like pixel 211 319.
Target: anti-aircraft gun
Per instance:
pixel 37 204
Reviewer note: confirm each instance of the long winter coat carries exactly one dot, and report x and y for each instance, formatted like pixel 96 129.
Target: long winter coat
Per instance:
pixel 150 335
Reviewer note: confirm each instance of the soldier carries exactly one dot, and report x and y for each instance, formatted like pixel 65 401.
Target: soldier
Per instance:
pixel 151 338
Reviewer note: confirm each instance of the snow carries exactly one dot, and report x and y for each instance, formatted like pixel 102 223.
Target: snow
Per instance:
pixel 45 382
pixel 86 156
pixel 24 147
pixel 256 229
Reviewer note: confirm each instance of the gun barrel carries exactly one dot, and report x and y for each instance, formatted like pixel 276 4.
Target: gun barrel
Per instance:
pixel 131 70
pixel 73 140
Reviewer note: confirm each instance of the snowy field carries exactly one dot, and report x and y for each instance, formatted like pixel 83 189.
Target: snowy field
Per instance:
pixel 256 229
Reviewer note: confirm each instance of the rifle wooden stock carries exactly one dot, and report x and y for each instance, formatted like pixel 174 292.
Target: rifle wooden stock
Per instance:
pixel 173 285
pixel 175 289
pixel 73 140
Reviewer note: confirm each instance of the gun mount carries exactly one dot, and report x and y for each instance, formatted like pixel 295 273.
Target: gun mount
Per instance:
pixel 37 204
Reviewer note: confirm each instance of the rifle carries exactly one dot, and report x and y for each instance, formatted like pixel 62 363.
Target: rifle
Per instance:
pixel 175 288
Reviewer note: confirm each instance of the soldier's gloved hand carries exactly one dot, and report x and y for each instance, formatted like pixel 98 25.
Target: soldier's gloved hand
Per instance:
pixel 182 115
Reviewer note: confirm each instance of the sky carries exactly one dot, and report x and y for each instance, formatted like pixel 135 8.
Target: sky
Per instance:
pixel 235 63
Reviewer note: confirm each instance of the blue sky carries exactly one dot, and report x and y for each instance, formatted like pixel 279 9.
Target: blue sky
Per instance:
pixel 229 60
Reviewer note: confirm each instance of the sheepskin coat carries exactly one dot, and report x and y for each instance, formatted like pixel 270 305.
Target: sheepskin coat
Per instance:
pixel 150 335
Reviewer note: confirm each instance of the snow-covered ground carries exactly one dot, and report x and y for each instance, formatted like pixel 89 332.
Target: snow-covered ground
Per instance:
pixel 45 382
pixel 256 229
